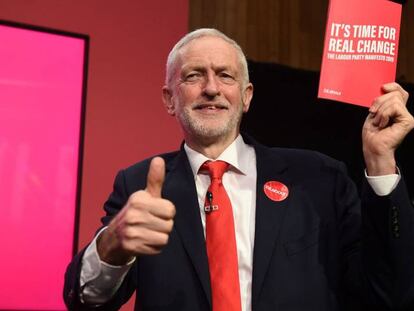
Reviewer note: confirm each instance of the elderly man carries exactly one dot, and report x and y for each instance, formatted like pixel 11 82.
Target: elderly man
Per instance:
pixel 227 224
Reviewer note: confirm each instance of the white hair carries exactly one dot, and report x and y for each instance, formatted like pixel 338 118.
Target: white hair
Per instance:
pixel 199 33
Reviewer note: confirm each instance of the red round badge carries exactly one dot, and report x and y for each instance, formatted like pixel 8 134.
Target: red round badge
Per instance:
pixel 276 191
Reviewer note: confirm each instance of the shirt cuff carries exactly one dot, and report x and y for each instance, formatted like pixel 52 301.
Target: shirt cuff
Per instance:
pixel 99 280
pixel 385 184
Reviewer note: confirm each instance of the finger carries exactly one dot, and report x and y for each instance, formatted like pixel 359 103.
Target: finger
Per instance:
pixel 369 120
pixel 383 115
pixel 144 241
pixel 393 86
pixel 149 250
pixel 140 249
pixel 155 177
pixel 143 203
pixel 384 121
pixel 389 87
pixel 161 225
pixel 158 239
pixel 149 221
pixel 163 209
pixel 387 99
pixel 389 113
pixel 378 115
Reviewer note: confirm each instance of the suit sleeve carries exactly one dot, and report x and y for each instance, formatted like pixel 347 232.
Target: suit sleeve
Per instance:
pixel 388 240
pixel 72 290
pixel 376 246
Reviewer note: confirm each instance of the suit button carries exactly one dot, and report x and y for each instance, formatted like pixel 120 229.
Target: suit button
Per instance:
pixel 71 294
pixel 396 230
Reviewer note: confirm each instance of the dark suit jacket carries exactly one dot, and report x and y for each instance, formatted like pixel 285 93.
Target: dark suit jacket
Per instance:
pixel 313 251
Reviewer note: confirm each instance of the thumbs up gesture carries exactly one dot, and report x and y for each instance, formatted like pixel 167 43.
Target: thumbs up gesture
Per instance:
pixel 143 225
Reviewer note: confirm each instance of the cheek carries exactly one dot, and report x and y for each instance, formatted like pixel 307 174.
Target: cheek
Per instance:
pixel 235 98
pixel 187 95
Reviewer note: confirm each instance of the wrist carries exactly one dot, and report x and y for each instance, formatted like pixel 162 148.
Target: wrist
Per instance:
pixel 379 165
pixel 110 250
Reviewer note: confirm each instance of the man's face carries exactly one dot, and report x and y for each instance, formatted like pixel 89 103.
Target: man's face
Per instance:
pixel 207 93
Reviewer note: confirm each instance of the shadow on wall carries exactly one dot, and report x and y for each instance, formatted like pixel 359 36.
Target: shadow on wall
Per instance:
pixel 286 112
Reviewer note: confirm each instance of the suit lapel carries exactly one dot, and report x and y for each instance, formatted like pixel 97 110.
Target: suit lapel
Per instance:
pixel 179 187
pixel 269 215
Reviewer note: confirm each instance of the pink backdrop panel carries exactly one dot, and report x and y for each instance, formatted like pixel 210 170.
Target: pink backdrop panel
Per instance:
pixel 41 80
pixel 125 120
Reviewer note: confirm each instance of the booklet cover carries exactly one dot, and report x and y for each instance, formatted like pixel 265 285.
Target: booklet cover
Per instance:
pixel 360 51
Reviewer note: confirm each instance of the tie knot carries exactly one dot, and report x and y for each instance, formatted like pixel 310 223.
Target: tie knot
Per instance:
pixel 216 169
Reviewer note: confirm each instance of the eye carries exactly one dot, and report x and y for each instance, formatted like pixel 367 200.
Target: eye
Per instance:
pixel 193 76
pixel 226 77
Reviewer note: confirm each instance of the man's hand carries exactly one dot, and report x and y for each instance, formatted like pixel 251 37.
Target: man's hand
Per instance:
pixel 143 225
pixel 384 129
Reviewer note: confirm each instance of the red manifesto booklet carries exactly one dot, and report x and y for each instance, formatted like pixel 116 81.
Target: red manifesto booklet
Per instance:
pixel 360 51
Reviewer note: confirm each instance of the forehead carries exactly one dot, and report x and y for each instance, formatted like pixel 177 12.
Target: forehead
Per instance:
pixel 208 51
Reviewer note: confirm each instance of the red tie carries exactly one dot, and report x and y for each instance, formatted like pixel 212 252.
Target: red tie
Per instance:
pixel 221 242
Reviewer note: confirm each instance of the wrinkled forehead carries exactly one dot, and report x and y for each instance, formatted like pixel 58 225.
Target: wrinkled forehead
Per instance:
pixel 208 50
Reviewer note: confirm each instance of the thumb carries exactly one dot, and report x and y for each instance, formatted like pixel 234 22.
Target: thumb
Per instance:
pixel 155 177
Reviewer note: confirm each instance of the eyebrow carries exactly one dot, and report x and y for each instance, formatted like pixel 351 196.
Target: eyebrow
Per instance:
pixel 192 68
pixel 203 68
pixel 224 68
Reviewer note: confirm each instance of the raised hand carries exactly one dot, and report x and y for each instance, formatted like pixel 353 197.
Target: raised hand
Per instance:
pixel 384 129
pixel 143 225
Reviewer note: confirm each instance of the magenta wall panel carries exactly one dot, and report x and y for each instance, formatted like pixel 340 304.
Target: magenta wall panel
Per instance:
pixel 41 104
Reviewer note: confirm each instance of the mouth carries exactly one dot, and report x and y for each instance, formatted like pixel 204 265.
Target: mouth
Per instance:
pixel 210 107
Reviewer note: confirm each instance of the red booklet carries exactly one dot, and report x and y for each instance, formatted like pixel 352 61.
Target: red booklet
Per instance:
pixel 361 48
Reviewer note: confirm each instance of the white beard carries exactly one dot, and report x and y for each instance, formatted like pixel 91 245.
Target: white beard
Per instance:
pixel 199 128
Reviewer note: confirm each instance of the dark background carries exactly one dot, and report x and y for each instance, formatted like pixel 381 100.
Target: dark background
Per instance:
pixel 286 112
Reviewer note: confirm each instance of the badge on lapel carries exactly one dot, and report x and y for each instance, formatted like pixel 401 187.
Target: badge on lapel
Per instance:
pixel 276 191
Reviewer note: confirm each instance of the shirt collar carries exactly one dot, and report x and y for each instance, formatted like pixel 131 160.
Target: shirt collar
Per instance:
pixel 235 154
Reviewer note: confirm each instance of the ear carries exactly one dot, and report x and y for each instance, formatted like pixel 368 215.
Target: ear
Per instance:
pixel 247 96
pixel 168 100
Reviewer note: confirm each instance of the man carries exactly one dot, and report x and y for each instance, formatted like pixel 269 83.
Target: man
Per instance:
pixel 297 239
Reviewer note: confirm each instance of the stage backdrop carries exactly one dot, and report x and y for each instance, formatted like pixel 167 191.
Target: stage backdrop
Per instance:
pixel 125 118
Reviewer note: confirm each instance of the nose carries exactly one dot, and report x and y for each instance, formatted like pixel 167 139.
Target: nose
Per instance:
pixel 211 87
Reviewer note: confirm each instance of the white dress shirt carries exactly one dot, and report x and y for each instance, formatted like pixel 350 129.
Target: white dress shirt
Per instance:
pixel 99 280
